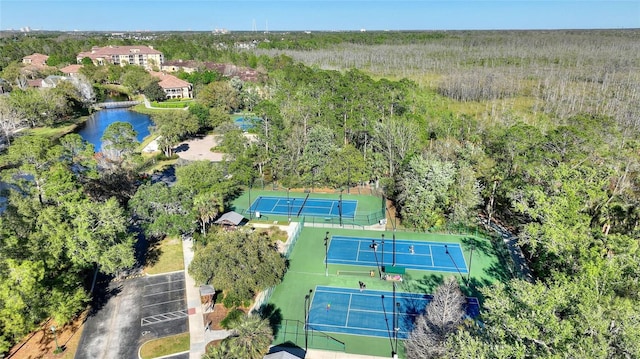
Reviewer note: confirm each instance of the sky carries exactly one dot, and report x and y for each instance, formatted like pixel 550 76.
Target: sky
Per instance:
pixel 317 15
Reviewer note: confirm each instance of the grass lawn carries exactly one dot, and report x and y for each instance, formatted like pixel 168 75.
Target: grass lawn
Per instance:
pixel 171 104
pixel 165 256
pixel 307 270
pixel 165 346
pixel 59 130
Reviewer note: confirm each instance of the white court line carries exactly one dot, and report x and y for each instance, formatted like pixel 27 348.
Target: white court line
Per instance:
pixel 346 320
pixel 431 254
pixel 170 301
pixel 275 205
pixel 168 291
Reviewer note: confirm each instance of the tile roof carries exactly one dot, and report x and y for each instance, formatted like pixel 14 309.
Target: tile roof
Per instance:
pixel 34 83
pixel 119 50
pixel 36 59
pixel 71 69
pixel 169 81
pixel 227 70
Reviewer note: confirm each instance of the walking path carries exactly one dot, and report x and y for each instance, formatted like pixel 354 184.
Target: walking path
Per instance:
pixel 511 241
pixel 199 337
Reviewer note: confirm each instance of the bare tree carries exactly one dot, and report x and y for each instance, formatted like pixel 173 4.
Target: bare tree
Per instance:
pixel 444 314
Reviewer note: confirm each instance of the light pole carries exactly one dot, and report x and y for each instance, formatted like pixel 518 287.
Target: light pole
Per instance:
pixel 382 245
pixel 326 254
pixel 348 177
pixel 288 206
pixel 374 247
pixel 397 327
pixel 470 258
pixel 446 250
pixel 394 247
pixel 249 201
pixel 340 206
pixel 55 337
pixel 394 355
pixel 307 304
pixel 395 318
pixel 313 177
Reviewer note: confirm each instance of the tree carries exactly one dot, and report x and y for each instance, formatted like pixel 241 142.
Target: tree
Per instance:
pixel 136 78
pixel 219 94
pixel 423 189
pixel 10 120
pixel 445 312
pixel 238 262
pixel 207 206
pixel 164 210
pixel 318 151
pixel 396 139
pixel 154 92
pixel 173 126
pixel 101 237
pixel 250 338
pixel 118 142
pixel 35 156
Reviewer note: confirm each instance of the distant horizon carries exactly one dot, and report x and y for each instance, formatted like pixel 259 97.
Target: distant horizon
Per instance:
pixel 275 31
pixel 317 15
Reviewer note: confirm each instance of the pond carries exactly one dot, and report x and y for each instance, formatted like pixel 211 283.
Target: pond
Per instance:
pixel 94 127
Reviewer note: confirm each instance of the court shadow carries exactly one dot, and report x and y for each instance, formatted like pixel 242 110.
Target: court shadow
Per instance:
pixel 482 245
pixel 273 314
pixel 500 271
pixel 473 288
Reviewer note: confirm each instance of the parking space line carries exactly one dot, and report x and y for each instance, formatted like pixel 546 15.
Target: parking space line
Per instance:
pixel 172 281
pixel 169 291
pixel 170 301
pixel 164 317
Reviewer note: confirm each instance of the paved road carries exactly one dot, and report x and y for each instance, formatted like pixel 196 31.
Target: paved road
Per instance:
pixel 130 312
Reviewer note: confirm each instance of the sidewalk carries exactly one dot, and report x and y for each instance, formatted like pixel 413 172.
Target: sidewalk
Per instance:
pixel 198 336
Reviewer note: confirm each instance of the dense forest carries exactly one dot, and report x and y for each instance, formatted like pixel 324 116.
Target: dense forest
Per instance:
pixel 536 129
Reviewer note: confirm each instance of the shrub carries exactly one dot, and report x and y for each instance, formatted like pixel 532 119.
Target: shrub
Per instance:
pixel 232 317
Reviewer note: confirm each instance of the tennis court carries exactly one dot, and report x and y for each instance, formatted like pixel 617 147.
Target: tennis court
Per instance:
pixel 296 206
pixel 369 312
pixel 435 256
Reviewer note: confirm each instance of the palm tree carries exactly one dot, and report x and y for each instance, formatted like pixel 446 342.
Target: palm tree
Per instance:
pixel 250 339
pixel 222 351
pixel 207 206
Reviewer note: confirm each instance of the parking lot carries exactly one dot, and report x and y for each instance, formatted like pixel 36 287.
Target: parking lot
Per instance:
pixel 162 304
pixel 131 312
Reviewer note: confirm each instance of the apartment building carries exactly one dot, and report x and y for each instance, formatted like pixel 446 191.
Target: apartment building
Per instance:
pixel 145 56
pixel 173 86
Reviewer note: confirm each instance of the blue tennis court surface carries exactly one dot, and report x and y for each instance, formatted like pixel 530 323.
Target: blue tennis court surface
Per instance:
pixel 425 255
pixel 370 311
pixel 295 206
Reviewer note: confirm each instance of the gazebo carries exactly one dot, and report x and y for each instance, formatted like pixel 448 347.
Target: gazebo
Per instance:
pixel 207 292
pixel 231 219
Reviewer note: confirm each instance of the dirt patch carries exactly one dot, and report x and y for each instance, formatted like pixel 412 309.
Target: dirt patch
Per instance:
pixel 215 317
pixel 41 343
pixel 198 149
